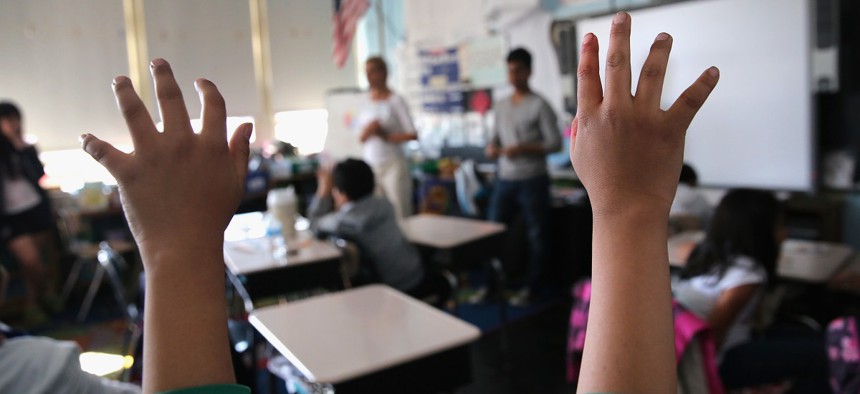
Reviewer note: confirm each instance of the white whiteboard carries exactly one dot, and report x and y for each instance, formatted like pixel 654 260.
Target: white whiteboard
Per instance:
pixel 756 128
pixel 343 109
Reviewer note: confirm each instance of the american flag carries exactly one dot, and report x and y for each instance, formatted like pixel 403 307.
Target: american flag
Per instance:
pixel 344 20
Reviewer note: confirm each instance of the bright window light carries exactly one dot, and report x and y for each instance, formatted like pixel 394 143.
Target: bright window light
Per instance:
pixel 103 364
pixel 232 123
pixel 70 169
pixel 305 129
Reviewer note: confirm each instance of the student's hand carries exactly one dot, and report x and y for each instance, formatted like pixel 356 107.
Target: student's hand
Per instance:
pixel 491 151
pixel 626 150
pixel 178 189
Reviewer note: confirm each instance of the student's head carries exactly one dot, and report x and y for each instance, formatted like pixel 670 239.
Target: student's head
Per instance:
pixel 689 176
pixel 10 120
pixel 746 223
pixel 519 68
pixel 352 180
pixel 377 72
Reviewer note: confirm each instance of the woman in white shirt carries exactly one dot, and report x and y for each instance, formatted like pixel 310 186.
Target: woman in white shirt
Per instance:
pixel 724 281
pixel 26 212
pixel 385 124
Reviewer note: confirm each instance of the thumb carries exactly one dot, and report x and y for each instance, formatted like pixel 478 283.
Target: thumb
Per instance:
pixel 240 148
pixel 104 153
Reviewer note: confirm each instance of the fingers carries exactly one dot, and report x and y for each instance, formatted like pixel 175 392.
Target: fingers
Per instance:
pixel 618 58
pixel 240 148
pixel 104 153
pixel 213 112
pixel 650 87
pixel 170 103
pixel 589 89
pixel 136 116
pixel 686 106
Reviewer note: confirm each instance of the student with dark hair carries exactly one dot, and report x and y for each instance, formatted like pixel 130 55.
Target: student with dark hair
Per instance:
pixel 724 281
pixel 689 205
pixel 26 210
pixel 384 125
pixel 345 206
pixel 525 131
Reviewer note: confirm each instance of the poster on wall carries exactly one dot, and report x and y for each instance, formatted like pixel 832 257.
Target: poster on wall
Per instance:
pixel 482 61
pixel 440 80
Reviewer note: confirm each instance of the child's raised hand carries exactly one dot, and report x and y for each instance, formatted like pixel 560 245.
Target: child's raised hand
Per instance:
pixel 626 150
pixel 179 189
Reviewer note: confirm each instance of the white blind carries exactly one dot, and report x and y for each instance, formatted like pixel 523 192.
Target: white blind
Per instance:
pixel 301 43
pixel 209 39
pixel 58 60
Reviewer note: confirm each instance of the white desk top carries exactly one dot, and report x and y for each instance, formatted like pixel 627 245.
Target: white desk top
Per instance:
pixel 800 260
pixel 811 261
pixel 340 336
pixel 248 250
pixel 446 231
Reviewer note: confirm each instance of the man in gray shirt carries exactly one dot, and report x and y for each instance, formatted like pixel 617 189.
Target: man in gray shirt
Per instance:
pixel 526 130
pixel 345 206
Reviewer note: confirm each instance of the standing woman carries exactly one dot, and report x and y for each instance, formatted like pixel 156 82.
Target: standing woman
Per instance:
pixel 385 124
pixel 25 207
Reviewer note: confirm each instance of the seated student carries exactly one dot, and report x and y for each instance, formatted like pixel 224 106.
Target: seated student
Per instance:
pixel 724 281
pixel 690 208
pixel 629 346
pixel 345 206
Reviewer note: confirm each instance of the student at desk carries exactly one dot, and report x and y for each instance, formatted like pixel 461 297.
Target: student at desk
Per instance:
pixel 345 206
pixel 724 282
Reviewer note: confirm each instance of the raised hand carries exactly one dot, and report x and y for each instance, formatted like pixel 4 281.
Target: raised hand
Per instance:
pixel 626 150
pixel 628 153
pixel 177 187
pixel 179 190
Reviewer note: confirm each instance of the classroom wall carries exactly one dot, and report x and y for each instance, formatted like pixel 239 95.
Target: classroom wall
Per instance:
pixel 60 56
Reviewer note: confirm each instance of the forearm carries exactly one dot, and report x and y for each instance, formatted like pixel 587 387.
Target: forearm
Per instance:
pixel 629 346
pixel 365 135
pixel 533 149
pixel 186 326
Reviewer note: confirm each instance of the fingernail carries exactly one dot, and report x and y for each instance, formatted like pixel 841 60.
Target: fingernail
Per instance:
pixel 83 137
pixel 662 37
pixel 620 18
pixel 157 62
pixel 119 79
pixel 588 39
pixel 715 72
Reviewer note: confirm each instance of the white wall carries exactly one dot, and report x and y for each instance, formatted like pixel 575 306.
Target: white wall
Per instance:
pixel 58 60
pixel 301 44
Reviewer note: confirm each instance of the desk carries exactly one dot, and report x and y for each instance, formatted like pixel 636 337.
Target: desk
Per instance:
pixel 371 339
pixel 457 241
pixel 255 271
pixel 805 261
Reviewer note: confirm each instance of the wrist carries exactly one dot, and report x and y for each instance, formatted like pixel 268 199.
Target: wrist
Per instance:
pixel 641 211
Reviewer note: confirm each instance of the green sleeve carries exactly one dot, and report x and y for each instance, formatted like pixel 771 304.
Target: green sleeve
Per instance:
pixel 212 389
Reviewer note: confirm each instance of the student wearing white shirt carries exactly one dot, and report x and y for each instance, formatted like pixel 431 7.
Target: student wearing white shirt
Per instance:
pixel 384 125
pixel 724 281
pixel 689 201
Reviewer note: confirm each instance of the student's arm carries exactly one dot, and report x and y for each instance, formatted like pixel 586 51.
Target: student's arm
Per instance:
pixel 628 154
pixel 179 190
pixel 727 309
pixel 322 204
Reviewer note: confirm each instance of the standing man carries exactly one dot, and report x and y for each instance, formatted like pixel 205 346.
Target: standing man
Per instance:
pixel 526 130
